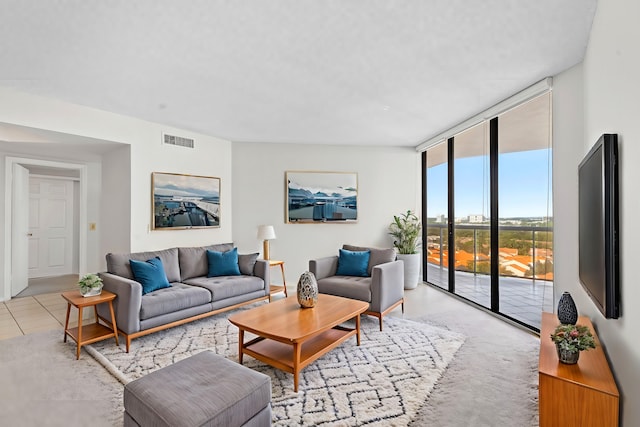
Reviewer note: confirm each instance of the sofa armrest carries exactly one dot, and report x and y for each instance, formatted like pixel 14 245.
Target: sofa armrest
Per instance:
pixel 324 267
pixel 387 285
pixel 127 303
pixel 262 270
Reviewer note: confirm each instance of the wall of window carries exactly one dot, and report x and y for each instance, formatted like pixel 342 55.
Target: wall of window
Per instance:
pixel 489 225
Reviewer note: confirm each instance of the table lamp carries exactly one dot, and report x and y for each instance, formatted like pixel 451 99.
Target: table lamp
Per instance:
pixel 266 233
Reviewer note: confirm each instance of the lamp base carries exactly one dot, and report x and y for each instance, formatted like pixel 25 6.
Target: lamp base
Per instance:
pixel 265 249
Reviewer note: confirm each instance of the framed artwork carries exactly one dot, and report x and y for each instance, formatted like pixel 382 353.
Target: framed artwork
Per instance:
pixel 184 201
pixel 314 197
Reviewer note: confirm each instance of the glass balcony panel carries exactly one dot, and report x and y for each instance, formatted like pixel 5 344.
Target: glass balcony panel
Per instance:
pixel 525 211
pixel 471 207
pixel 437 196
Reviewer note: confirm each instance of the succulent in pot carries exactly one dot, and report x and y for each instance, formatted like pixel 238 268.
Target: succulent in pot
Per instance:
pixel 90 285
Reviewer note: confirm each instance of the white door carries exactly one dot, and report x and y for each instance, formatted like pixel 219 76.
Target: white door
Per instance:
pixel 51 227
pixel 19 229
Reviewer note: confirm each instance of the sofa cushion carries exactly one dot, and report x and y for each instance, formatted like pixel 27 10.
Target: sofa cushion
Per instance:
pixel 167 300
pixel 223 287
pixel 346 286
pixel 119 264
pixel 223 263
pixel 247 262
pixel 150 274
pixel 193 260
pixel 377 256
pixel 352 263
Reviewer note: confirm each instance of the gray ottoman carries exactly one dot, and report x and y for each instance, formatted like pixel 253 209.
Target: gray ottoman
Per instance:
pixel 202 390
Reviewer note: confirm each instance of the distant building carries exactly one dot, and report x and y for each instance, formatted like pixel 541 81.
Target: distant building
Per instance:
pixel 476 218
pixel 440 219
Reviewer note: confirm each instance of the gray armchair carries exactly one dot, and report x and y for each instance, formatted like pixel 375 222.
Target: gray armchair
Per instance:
pixel 383 288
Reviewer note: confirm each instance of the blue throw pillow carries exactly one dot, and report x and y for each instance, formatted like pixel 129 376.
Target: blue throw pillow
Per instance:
pixel 353 263
pixel 150 274
pixel 223 263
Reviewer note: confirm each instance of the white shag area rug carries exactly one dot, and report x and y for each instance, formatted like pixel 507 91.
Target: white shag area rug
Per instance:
pixel 384 381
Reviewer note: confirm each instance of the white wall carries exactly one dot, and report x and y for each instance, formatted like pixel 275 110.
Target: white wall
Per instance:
pixel 94 184
pixel 211 157
pixel 608 102
pixel 568 140
pixel 611 91
pixel 388 184
pixel 116 202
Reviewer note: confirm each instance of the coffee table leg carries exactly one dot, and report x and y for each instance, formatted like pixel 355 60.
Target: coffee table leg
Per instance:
pixel 240 345
pixel 358 328
pixel 296 365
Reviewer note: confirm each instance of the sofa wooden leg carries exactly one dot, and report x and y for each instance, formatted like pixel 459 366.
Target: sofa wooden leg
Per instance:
pixel 128 343
pixel 380 323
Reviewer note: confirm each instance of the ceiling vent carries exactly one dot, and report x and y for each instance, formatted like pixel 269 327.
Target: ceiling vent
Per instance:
pixel 178 140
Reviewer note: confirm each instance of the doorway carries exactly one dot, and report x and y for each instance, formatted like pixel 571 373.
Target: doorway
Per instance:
pixel 52 236
pixel 50 242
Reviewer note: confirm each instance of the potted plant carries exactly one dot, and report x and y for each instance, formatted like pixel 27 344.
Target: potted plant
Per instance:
pixel 90 285
pixel 570 340
pixel 405 230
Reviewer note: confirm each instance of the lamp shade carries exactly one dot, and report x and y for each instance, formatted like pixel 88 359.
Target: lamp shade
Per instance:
pixel 266 232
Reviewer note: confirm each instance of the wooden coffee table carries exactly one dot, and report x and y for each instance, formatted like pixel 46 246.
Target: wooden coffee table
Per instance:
pixel 291 337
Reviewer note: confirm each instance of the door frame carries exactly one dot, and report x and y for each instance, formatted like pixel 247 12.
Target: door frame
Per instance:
pixel 8 221
pixel 20 227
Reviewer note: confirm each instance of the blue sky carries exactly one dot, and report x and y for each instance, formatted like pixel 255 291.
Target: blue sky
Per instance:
pixel 524 179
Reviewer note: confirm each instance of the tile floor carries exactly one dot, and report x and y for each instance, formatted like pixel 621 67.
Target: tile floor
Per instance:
pixel 21 316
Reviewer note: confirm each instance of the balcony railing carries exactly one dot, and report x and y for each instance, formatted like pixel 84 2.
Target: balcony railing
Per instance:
pixel 507 261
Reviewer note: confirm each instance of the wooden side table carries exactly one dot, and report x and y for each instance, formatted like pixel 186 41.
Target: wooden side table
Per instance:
pixel 274 289
pixel 93 332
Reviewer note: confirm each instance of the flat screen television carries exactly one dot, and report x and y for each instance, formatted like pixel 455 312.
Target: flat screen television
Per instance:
pixel 598 225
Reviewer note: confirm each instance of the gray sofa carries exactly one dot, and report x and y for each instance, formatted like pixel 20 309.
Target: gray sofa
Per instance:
pixel 192 294
pixel 382 288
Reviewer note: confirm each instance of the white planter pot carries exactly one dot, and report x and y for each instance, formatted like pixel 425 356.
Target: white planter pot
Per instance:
pixel 92 292
pixel 411 269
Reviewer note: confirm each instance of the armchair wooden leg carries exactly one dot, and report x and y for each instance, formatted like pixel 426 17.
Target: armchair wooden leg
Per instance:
pixel 380 323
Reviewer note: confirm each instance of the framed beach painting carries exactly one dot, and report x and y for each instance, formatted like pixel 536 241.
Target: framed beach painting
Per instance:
pixel 184 201
pixel 317 197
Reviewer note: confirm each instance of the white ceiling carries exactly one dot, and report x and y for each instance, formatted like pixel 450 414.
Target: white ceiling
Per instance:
pixel 374 72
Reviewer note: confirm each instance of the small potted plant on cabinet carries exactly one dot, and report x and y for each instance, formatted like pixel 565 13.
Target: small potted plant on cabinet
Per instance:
pixel 405 230
pixel 571 340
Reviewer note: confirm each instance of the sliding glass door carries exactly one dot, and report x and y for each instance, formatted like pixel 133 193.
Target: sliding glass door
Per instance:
pixel 525 226
pixel 437 242
pixel 471 207
pixel 489 221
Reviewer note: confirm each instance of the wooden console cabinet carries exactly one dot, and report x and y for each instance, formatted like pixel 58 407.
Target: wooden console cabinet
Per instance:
pixel 582 395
